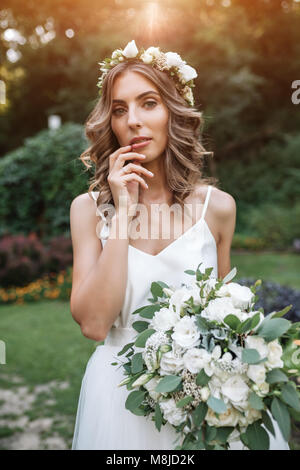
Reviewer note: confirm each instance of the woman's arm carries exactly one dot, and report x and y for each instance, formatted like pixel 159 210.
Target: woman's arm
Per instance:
pixel 226 221
pixel 99 276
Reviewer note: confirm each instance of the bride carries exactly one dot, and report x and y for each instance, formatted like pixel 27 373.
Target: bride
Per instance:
pixel 146 150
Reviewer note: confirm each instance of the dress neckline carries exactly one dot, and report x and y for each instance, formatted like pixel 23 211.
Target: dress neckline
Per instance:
pixel 174 242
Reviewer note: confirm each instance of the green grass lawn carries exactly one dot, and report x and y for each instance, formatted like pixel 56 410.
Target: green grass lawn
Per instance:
pixel 282 268
pixel 43 344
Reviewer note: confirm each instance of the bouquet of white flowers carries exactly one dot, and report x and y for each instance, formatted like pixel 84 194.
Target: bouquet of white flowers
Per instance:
pixel 210 365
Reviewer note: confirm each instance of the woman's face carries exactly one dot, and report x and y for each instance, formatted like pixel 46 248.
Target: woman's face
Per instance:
pixel 138 110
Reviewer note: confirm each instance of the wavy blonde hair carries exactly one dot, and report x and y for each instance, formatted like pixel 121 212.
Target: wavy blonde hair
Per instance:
pixel 184 153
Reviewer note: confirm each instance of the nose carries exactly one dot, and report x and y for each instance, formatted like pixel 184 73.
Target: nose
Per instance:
pixel 133 117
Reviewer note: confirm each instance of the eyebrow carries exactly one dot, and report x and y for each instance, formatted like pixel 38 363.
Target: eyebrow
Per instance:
pixel 139 96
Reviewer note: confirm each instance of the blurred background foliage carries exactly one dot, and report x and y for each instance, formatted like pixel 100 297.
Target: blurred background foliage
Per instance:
pixel 247 55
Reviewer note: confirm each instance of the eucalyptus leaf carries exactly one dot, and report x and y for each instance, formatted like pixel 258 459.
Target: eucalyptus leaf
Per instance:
pixel 250 356
pixel 257 437
pixel 275 376
pixel 290 396
pixel 199 413
pixel 256 401
pixel 232 321
pixel 168 383
pixel 268 422
pixel 217 405
pixel 137 363
pixel 184 401
pixel 280 413
pixel 202 378
pixel 158 417
pixel 273 328
pixel 142 338
pixel 140 326
pixel 126 347
pixel 149 311
pixel 134 400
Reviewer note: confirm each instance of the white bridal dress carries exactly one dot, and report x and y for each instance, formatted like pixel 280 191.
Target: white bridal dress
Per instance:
pixel 102 422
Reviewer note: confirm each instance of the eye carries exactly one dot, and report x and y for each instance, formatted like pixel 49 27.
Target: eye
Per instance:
pixel 118 111
pixel 153 103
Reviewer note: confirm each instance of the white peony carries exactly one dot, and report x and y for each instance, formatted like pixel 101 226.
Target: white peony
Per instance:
pixel 236 390
pixel 171 363
pixel 241 296
pixel 258 343
pixel 171 413
pixel 164 319
pixel 223 291
pixel 215 385
pixel 187 73
pixel 130 50
pixel 218 309
pixel 174 60
pixel 196 359
pixel 229 418
pixel 251 415
pixel 274 355
pixel 186 333
pixel 257 373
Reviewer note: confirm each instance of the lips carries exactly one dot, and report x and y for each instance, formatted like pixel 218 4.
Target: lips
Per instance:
pixel 141 138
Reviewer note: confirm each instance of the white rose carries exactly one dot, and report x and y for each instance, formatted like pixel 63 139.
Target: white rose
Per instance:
pixel 223 291
pixel 261 389
pixel 257 373
pixel 235 389
pixel 241 296
pixel 151 385
pixel 147 58
pixel 186 333
pixel 153 51
pixel 187 73
pixel 164 319
pixel 229 418
pixel 130 50
pixel 174 60
pixel 274 355
pixel 170 364
pixel 258 343
pixel 196 359
pixel 204 393
pixel 178 299
pixel 172 414
pixel 218 309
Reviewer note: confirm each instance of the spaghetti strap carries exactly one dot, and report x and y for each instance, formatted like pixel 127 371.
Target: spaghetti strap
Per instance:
pixel 206 201
pixel 94 196
pixel 102 230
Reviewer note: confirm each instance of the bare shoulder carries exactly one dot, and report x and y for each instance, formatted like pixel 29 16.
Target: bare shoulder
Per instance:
pixel 83 213
pixel 222 204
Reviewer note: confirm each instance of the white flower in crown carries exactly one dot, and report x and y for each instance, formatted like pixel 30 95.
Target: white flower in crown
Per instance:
pixel 187 73
pixel 130 50
pixel 174 59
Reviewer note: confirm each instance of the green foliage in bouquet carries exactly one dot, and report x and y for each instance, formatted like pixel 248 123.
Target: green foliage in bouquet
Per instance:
pixel 206 362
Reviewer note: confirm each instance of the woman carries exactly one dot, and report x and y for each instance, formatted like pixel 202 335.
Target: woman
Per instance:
pixel 145 144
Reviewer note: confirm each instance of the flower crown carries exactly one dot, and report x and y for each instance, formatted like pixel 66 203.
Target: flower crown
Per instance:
pixel 169 62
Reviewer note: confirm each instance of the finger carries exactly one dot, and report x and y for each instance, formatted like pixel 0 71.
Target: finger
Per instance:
pixel 135 177
pixel 113 157
pixel 134 167
pixel 122 158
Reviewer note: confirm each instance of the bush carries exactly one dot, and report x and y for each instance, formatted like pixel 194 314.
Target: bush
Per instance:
pixel 277 226
pixel 25 259
pixel 39 180
pixel 275 297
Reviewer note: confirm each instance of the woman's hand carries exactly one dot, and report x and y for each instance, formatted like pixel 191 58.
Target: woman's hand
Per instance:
pixel 124 179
